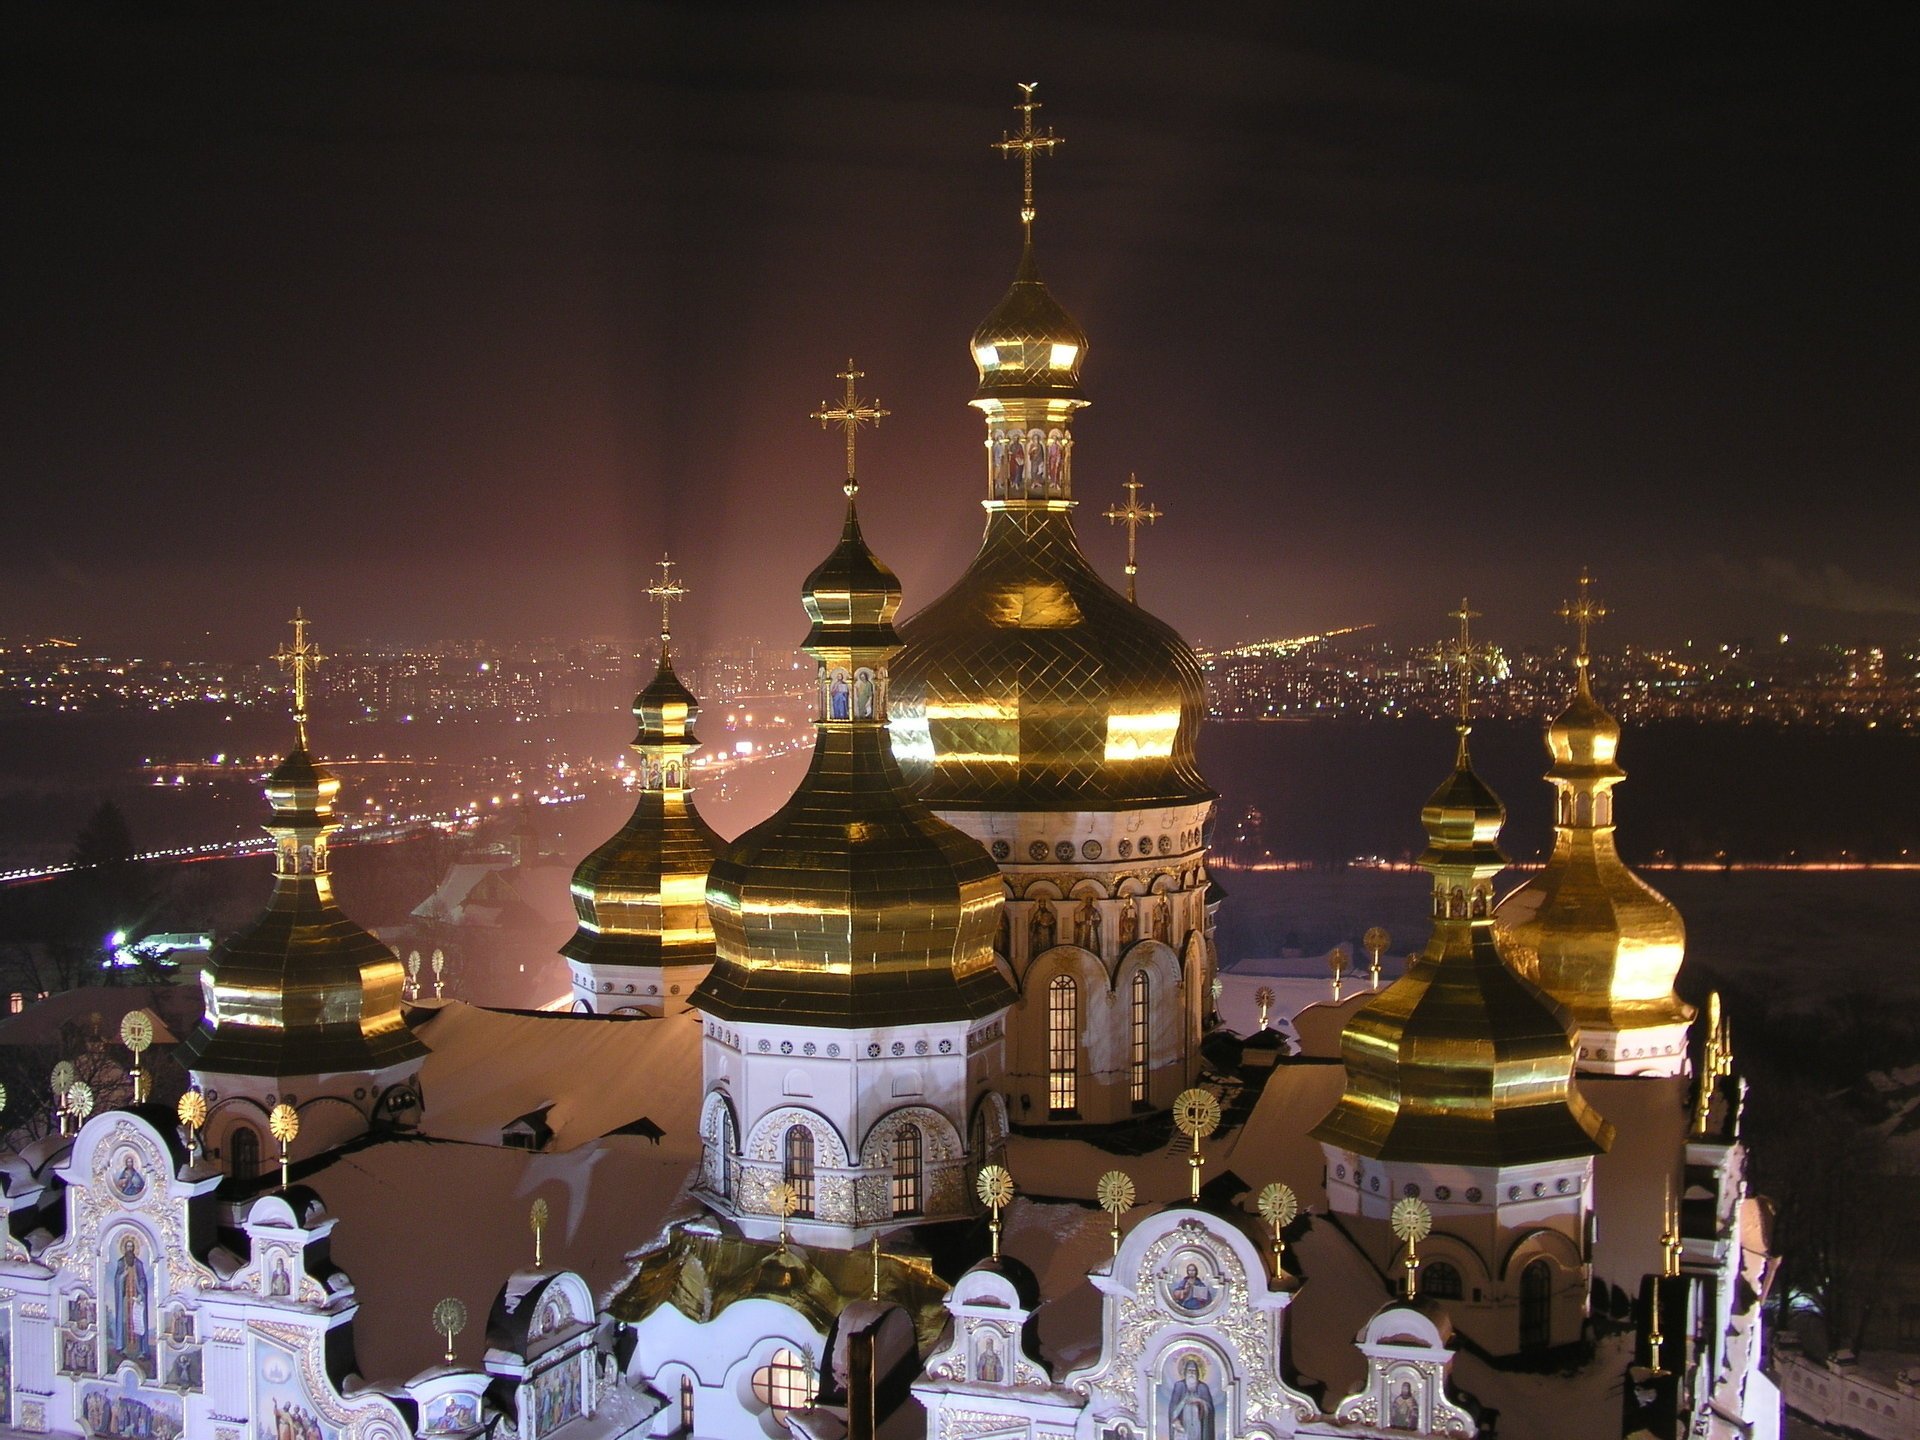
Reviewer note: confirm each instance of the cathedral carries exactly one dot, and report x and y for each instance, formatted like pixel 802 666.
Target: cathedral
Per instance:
pixel 838 1130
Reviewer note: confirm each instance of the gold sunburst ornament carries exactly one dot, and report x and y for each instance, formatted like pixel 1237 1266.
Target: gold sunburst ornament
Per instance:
pixel 80 1099
pixel 1412 1222
pixel 995 1189
pixel 1197 1114
pixel 537 1222
pixel 1278 1207
pixel 283 1123
pixel 450 1318
pixel 1116 1194
pixel 1376 941
pixel 192 1111
pixel 785 1200
pixel 136 1033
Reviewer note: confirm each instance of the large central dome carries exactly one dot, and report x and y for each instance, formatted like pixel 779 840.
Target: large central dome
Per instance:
pixel 1033 684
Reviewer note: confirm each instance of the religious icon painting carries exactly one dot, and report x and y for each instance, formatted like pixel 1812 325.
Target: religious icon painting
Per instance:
pixel 1406 1390
pixel 990 1354
pixel 1192 1283
pixel 127 1318
pixel 1192 1390
pixel 125 1177
pixel 865 688
pixel 1120 1430
pixel 281 1406
pixel 120 1410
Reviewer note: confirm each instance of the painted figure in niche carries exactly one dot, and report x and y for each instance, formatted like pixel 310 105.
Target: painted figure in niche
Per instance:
pixel 76 1353
pixel 1016 462
pixel 1190 1403
pixel 184 1369
pixel 1129 922
pixel 280 1284
pixel 1036 462
pixel 987 1367
pixel 1041 928
pixel 1086 926
pixel 1192 1292
pixel 838 695
pixel 80 1310
pixel 673 775
pixel 128 1182
pixel 1162 920
pixel 1403 1408
pixel 864 691
pixel 1056 451
pixel 130 1315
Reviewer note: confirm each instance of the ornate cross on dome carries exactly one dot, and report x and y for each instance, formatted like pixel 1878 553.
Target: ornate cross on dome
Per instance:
pixel 300 658
pixel 850 414
pixel 666 590
pixel 1028 143
pixel 1133 515
pixel 1461 653
pixel 1583 614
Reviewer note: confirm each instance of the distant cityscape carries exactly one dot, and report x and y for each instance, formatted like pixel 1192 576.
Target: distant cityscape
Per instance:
pixel 1337 675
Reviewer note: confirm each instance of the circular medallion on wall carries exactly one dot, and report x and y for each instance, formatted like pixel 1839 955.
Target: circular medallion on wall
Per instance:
pixel 833 1052
pixel 786 1047
pixel 1001 849
pixel 873 1052
pixel 1443 1192
pixel 919 1047
pixel 1090 850
pixel 1166 844
pixel 1037 850
pixel 899 1047
pixel 1063 851
pixel 1473 1194
pixel 807 1049
pixel 1126 848
pixel 946 1047
pixel 765 1047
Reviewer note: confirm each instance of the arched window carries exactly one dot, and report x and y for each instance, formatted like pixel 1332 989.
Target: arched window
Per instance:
pixel 1536 1306
pixel 784 1382
pixel 1137 1040
pixel 797 1170
pixel 243 1153
pixel 1063 1045
pixel 1440 1281
pixel 686 1404
pixel 729 1141
pixel 977 1136
pixel 906 1171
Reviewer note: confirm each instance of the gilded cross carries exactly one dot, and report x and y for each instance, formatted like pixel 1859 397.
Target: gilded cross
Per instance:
pixel 1462 653
pixel 666 590
pixel 1583 613
pixel 1028 143
pixel 1133 515
pixel 850 414
pixel 300 658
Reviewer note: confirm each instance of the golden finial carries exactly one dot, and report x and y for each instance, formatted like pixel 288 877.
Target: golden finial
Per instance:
pixel 1197 1114
pixel 785 1199
pixel 666 590
pixel 1670 1236
pixel 1337 961
pixel 450 1318
pixel 62 1078
pixel 1655 1340
pixel 995 1189
pixel 283 1122
pixel 1133 515
pixel 136 1033
pixel 1583 614
pixel 1376 940
pixel 1712 1065
pixel 1115 1193
pixel 1264 998
pixel 537 1222
pixel 850 414
pixel 80 1100
pixel 1412 1222
pixel 1028 143
pixel 193 1114
pixel 1278 1207
pixel 300 658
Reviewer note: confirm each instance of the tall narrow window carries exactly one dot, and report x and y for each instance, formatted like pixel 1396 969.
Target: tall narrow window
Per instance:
pixel 906 1171
pixel 1137 1040
pixel 244 1161
pixel 798 1169
pixel 686 1404
pixel 1063 1045
pixel 1536 1306
pixel 723 1162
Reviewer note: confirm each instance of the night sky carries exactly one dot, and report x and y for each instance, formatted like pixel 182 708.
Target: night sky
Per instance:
pixel 441 320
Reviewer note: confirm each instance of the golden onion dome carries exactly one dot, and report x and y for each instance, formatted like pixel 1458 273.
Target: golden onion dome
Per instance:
pixel 303 990
pixel 1594 935
pixel 1028 347
pixel 1462 1060
pixel 853 905
pixel 641 896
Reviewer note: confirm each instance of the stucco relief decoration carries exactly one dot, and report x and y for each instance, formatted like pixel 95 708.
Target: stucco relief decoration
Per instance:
pixel 972 1424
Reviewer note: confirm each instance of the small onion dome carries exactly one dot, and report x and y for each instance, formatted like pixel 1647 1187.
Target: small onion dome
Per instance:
pixel 1596 937
pixel 1462 1060
pixel 303 990
pixel 1029 347
pixel 1032 685
pixel 854 905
